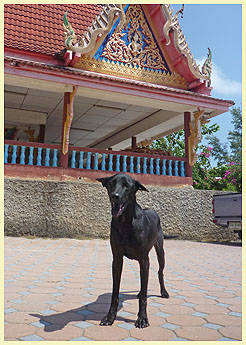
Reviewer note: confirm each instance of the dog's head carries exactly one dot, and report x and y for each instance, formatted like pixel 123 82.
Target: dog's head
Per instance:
pixel 121 190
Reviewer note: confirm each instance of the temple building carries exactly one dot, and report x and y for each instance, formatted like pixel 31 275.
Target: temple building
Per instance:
pixel 89 87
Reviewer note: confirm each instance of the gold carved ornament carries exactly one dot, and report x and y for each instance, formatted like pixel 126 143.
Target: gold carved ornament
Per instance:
pixel 195 134
pixel 68 120
pixel 99 28
pixel 140 59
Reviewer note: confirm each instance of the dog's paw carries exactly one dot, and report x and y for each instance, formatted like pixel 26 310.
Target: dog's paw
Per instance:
pixel 106 321
pixel 142 322
pixel 164 294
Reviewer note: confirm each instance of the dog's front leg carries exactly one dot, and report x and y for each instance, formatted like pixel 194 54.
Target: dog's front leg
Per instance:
pixel 142 320
pixel 116 272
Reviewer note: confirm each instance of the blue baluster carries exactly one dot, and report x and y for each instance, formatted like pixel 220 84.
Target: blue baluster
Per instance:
pixel 22 156
pixel 104 161
pixel 124 164
pixel 157 166
pixel 81 160
pixel 176 169
pixel 131 164
pixel 30 161
pixel 182 169
pixel 96 161
pixel 55 158
pixel 170 168
pixel 88 160
pixel 73 160
pixel 117 163
pixel 164 169
pixel 110 163
pixel 151 166
pixel 14 155
pixel 39 157
pixel 145 165
pixel 6 153
pixel 47 157
pixel 138 165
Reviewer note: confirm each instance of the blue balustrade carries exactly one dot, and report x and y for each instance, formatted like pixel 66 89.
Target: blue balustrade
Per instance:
pixel 30 159
pixel 6 153
pixel 117 163
pixel 110 163
pixel 103 162
pixel 157 166
pixel 47 157
pixel 96 161
pixel 131 164
pixel 14 155
pixel 145 165
pixel 73 160
pixel 151 166
pixel 55 158
pixel 81 160
pixel 182 169
pixel 138 165
pixel 39 157
pixel 88 161
pixel 176 168
pixel 170 168
pixel 124 164
pixel 22 156
pixel 164 169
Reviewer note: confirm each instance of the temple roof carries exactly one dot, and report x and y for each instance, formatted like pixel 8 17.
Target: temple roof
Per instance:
pixel 38 28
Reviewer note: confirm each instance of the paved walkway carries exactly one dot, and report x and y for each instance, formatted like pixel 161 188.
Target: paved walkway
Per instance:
pixel 60 289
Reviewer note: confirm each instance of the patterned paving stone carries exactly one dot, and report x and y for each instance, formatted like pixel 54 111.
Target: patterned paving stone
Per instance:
pixel 185 320
pixel 152 334
pixel 83 324
pixel 198 289
pixel 198 333
pixel 32 337
pixel 234 332
pixel 65 333
pixel 18 330
pixel 106 333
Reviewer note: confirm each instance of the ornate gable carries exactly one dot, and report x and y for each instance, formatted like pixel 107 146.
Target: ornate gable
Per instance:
pixel 130 50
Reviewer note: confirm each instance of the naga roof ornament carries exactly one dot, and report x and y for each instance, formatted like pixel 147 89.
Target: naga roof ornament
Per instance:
pixel 99 28
pixel 172 25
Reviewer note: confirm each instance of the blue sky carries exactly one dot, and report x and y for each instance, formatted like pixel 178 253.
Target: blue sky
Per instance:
pixel 218 27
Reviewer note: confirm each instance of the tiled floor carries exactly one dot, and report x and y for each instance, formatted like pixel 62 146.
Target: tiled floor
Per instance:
pixel 60 289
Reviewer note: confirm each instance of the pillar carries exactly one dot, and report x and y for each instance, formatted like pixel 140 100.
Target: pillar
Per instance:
pixel 187 119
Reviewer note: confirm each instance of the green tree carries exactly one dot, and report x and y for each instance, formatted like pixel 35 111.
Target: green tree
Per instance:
pixel 221 153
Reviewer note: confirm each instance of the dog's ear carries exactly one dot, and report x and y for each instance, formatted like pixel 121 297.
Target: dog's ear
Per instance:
pixel 104 180
pixel 139 186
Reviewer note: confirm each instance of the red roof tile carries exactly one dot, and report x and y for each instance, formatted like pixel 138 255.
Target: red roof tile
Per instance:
pixel 39 28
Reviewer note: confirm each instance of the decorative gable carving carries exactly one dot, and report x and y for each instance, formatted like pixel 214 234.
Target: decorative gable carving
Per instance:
pixel 130 51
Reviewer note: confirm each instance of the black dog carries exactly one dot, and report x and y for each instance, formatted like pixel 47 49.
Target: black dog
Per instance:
pixel 134 231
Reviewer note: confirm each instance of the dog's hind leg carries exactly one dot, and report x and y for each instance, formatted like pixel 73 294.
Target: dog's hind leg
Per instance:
pixel 161 260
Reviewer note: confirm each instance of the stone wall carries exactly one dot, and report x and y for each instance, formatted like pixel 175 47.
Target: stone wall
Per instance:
pixel 77 209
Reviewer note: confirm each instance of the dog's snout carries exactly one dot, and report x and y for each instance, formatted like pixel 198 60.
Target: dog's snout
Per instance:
pixel 115 196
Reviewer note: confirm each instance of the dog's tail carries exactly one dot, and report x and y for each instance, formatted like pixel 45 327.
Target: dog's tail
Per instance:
pixel 168 237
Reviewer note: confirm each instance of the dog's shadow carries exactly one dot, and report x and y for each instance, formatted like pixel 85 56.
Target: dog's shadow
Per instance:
pixel 91 311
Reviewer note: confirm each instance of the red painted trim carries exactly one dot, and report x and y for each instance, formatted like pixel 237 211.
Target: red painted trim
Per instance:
pixel 32 56
pixel 176 60
pixel 187 118
pixel 116 86
pixel 30 172
pixel 28 143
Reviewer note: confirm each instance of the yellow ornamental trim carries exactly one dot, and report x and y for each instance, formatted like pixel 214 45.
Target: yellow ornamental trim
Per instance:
pixel 131 72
